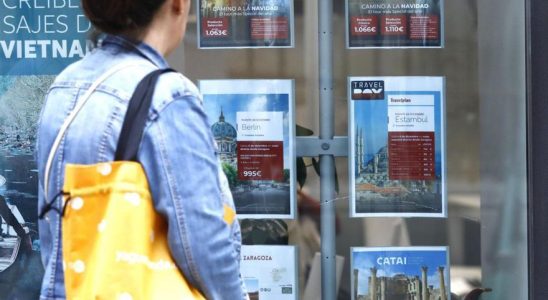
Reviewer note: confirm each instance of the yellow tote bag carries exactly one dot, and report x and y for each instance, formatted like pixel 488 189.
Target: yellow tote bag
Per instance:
pixel 114 243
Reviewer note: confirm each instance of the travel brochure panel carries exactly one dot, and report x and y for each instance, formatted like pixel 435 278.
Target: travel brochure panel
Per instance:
pixel 38 39
pixel 400 273
pixel 252 123
pixel 394 23
pixel 245 23
pixel 397 159
pixel 270 272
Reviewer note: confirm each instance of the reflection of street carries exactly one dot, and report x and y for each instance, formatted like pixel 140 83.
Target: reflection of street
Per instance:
pixel 368 202
pixel 262 200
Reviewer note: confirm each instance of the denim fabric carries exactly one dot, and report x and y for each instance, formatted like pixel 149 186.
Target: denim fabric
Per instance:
pixel 177 152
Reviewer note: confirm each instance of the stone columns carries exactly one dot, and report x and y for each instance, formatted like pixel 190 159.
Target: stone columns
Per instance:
pixel 424 285
pixel 355 291
pixel 373 286
pixel 443 293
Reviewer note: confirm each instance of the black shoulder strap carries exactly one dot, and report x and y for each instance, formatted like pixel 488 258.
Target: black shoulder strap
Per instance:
pixel 136 117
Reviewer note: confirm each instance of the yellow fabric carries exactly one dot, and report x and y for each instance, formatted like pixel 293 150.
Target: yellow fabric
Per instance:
pixel 114 243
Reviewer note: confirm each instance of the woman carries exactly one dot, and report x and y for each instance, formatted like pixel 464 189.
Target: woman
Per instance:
pixel 177 149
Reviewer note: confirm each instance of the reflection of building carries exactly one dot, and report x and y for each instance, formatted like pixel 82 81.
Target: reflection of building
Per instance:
pixel 225 136
pixel 401 287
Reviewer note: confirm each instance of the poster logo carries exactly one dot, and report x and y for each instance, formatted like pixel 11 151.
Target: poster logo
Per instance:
pixel 367 90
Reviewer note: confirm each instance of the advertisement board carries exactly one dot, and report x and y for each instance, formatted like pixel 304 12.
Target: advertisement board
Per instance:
pixel 270 272
pixel 38 39
pixel 400 273
pixel 397 146
pixel 245 23
pixel 252 123
pixel 394 24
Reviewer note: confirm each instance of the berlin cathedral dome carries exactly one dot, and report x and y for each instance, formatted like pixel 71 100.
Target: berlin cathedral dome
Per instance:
pixel 225 136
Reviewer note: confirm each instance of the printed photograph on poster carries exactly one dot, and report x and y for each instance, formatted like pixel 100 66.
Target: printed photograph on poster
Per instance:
pixel 397 146
pixel 270 272
pixel 394 24
pixel 400 273
pixel 38 39
pixel 21 99
pixel 253 126
pixel 245 24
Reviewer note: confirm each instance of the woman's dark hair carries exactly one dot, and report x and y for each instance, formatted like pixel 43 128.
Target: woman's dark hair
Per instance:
pixel 115 16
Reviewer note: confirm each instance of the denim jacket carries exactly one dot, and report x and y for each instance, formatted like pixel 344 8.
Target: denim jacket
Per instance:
pixel 177 152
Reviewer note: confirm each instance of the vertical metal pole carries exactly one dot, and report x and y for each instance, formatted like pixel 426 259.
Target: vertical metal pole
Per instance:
pixel 327 162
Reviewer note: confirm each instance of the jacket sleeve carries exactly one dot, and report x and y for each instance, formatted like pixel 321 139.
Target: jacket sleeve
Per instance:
pixel 179 158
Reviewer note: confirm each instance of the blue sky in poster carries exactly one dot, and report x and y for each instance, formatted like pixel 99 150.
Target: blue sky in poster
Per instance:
pixel 364 260
pixel 372 117
pixel 232 103
pixel 252 285
pixel 41 37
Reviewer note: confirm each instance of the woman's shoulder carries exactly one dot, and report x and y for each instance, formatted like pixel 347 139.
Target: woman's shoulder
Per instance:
pixel 174 86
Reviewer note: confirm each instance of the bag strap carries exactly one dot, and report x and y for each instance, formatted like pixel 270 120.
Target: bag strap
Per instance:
pixel 80 104
pixel 136 117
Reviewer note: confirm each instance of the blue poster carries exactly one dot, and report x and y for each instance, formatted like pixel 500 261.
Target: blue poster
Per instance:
pixel 41 37
pixel 38 39
pixel 400 273
pixel 251 122
pixel 397 146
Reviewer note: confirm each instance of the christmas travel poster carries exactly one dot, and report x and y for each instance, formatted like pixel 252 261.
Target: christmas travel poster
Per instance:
pixel 400 273
pixel 397 146
pixel 394 24
pixel 270 272
pixel 245 23
pixel 253 127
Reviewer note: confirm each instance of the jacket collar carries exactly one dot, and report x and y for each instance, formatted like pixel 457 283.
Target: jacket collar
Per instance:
pixel 140 48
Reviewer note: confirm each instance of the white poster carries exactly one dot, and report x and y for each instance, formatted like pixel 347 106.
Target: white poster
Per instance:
pixel 397 146
pixel 253 126
pixel 270 272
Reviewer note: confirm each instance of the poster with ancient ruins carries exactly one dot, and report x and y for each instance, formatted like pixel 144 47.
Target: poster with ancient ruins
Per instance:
pixel 394 24
pixel 397 146
pixel 270 272
pixel 245 24
pixel 417 273
pixel 253 127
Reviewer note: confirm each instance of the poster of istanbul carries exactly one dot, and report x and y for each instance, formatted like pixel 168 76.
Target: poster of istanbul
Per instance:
pixel 394 273
pixel 252 123
pixel 394 23
pixel 397 146
pixel 245 23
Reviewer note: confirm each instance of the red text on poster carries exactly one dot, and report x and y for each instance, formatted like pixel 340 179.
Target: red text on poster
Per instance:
pixel 260 160
pixel 394 25
pixel 424 27
pixel 215 27
pixel 269 28
pixel 364 26
pixel 412 155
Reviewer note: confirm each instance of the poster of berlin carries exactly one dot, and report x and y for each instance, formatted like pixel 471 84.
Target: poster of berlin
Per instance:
pixel 270 272
pixel 419 273
pixel 397 146
pixel 245 24
pixel 253 127
pixel 394 24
